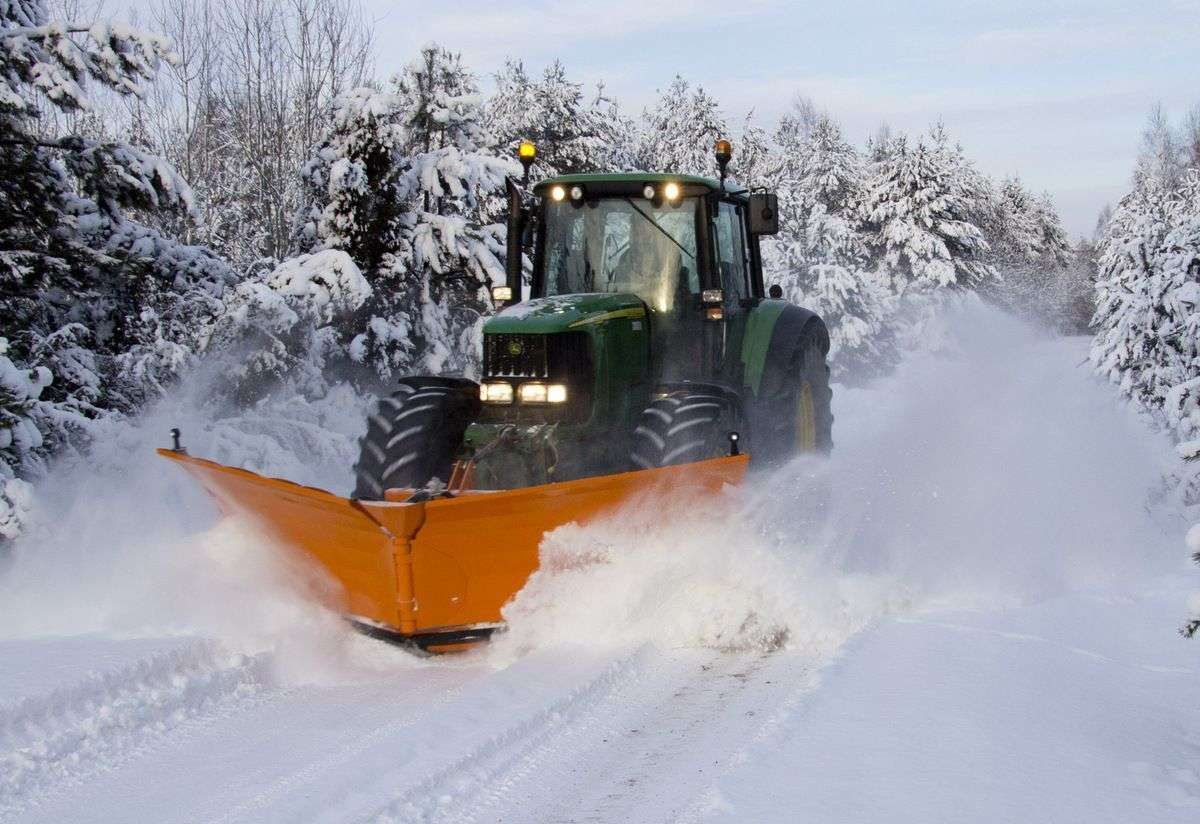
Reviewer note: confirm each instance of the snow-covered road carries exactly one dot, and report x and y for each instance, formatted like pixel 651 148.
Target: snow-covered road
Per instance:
pixel 974 619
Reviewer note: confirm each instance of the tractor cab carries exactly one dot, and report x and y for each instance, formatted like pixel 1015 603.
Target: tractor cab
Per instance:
pixel 685 247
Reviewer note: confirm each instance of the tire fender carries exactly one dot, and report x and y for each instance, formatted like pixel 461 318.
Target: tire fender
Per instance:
pixel 770 353
pixel 773 330
pixel 793 324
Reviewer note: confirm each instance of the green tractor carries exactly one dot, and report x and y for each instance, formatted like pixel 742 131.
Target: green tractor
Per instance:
pixel 648 340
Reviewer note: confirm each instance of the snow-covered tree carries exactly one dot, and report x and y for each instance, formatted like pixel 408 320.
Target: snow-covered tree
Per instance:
pixel 755 162
pixel 448 255
pixel 1190 138
pixel 616 132
pixel 21 426
pixel 679 132
pixel 572 133
pixel 919 207
pixel 829 171
pixel 1162 156
pixel 99 310
pixel 289 324
pixel 841 287
pixel 398 184
pixel 1136 337
pixel 355 180
pixel 1147 317
pixel 1178 263
pixel 1017 238
pixel 1033 256
pixel 820 257
pixel 242 107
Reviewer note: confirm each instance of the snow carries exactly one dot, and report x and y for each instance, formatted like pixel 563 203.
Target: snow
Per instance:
pixel 1193 539
pixel 968 612
pixel 666 571
pixel 1075 709
pixel 328 284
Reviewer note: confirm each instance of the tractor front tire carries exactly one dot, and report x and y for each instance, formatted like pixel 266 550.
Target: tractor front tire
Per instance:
pixel 414 435
pixel 682 427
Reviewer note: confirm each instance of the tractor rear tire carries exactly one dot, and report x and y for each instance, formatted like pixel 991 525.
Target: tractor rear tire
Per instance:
pixel 681 428
pixel 413 436
pixel 796 415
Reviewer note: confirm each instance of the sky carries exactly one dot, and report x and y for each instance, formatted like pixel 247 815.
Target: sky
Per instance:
pixel 1057 92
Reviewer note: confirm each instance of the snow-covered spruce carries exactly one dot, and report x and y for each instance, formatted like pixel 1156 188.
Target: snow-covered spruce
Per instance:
pixel 400 184
pixel 1146 300
pixel 821 256
pixel 1033 256
pixel 918 208
pixel 679 132
pixel 574 132
pixel 99 308
pixel 1148 312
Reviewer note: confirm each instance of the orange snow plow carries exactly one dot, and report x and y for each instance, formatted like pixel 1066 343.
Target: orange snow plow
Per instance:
pixel 435 572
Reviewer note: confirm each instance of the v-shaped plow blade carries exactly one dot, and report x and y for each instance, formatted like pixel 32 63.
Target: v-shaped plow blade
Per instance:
pixel 439 568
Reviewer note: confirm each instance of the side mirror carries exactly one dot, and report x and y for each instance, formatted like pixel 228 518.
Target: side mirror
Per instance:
pixel 514 247
pixel 763 214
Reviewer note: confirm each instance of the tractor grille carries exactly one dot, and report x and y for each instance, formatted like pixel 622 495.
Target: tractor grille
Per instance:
pixel 515 356
pixel 565 356
pixel 562 357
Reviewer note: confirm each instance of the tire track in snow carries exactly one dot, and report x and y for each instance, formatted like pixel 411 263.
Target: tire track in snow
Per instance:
pixel 798 679
pixel 46 742
pixel 632 726
pixel 450 792
pixel 258 807
pixel 645 741
pixel 667 749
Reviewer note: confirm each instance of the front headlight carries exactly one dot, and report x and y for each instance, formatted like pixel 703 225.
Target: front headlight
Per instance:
pixel 496 392
pixel 542 393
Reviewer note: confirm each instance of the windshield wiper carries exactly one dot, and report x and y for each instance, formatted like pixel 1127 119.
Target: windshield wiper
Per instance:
pixel 656 225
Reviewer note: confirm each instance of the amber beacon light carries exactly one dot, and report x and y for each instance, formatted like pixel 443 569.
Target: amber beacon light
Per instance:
pixel 724 153
pixel 526 153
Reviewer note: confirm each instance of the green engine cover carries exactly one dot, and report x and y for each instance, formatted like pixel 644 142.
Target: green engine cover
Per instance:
pixel 564 313
pixel 618 334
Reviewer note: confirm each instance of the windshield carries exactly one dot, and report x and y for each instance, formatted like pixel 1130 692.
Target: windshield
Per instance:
pixel 622 244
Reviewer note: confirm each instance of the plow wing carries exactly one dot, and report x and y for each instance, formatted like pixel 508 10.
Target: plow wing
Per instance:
pixel 438 569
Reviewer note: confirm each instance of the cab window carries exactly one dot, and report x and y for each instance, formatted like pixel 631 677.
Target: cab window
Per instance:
pixel 731 253
pixel 622 244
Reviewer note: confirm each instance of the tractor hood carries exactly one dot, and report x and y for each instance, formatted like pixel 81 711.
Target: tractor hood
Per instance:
pixel 562 313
